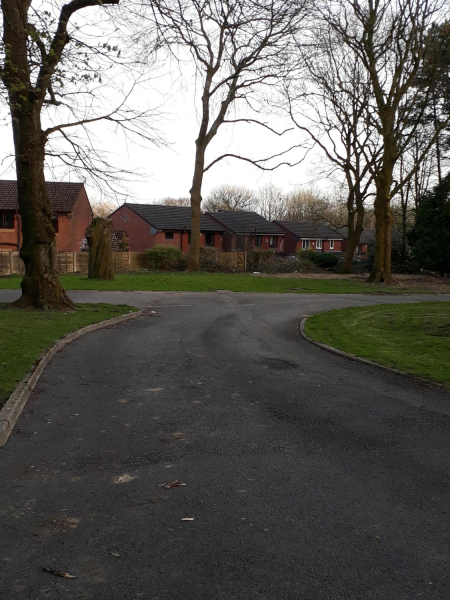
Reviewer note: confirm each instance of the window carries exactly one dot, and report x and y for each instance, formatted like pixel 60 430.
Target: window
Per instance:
pixel 6 220
pixel 169 235
pixel 359 250
pixel 305 244
pixel 258 240
pixel 319 244
pixel 209 239
pixel 331 244
pixel 273 241
pixel 55 223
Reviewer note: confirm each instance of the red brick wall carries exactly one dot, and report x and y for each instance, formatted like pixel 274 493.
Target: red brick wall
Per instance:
pixel 325 246
pixel 138 230
pixel 72 227
pixel 11 238
pixel 265 243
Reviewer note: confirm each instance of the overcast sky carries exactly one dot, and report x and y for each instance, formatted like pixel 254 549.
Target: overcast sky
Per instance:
pixel 166 171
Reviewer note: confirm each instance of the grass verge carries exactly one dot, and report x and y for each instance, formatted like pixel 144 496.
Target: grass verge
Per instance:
pixel 414 338
pixel 207 282
pixel 25 335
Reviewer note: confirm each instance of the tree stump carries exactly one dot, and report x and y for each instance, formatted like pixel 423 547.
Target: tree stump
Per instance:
pixel 98 235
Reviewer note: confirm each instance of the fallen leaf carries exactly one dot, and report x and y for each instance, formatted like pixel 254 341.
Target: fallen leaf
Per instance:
pixel 59 573
pixel 172 484
pixel 175 436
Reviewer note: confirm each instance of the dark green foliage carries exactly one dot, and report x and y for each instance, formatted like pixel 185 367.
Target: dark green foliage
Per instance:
pixel 430 236
pixel 325 260
pixel 164 257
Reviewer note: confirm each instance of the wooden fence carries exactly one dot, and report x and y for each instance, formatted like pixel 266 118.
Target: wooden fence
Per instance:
pixel 77 262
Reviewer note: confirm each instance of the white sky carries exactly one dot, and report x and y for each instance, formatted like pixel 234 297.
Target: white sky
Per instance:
pixel 167 171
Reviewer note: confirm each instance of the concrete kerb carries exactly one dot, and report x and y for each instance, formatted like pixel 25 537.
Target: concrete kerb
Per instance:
pixel 365 361
pixel 12 410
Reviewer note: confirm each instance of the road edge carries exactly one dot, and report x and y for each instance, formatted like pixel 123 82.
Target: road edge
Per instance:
pixel 15 404
pixel 366 361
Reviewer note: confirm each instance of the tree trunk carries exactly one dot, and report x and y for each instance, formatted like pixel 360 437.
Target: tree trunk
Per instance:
pixel 381 271
pixel 196 200
pixel 40 285
pixel 98 235
pixel 41 288
pixel 354 232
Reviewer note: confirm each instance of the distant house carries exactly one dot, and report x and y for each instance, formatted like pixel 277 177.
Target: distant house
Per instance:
pixel 244 230
pixel 150 224
pixel 367 237
pixel 72 214
pixel 310 236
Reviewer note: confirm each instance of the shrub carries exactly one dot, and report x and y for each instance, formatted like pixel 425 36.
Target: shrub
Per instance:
pixel 325 260
pixel 164 257
pixel 256 259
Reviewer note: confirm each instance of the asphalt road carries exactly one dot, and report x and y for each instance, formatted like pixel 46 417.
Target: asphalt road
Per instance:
pixel 308 476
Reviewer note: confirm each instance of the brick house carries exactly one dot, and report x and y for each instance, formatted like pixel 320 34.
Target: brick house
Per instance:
pixel 367 237
pixel 245 230
pixel 149 224
pixel 310 236
pixel 72 214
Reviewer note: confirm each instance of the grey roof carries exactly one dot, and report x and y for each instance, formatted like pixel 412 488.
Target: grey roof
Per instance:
pixel 63 195
pixel 177 218
pixel 367 236
pixel 309 230
pixel 246 222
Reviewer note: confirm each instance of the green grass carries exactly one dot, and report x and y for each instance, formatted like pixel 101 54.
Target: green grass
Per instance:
pixel 207 282
pixel 414 338
pixel 25 335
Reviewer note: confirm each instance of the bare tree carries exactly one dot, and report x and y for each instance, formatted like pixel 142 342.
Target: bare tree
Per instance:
pixel 103 208
pixel 238 46
pixel 229 197
pixel 389 38
pixel 51 79
pixel 271 202
pixel 176 201
pixel 329 103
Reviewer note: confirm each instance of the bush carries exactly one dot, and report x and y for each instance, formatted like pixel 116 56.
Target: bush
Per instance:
pixel 325 260
pixel 256 259
pixel 165 257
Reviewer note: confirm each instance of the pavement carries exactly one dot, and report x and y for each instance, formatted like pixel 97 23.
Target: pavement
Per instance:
pixel 307 476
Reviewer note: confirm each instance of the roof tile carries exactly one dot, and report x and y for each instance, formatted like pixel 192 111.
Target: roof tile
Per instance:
pixel 63 195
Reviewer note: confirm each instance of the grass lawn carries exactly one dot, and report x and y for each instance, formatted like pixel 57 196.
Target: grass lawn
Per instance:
pixel 207 282
pixel 25 335
pixel 411 337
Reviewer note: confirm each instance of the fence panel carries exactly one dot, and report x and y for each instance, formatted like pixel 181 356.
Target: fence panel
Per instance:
pixel 77 262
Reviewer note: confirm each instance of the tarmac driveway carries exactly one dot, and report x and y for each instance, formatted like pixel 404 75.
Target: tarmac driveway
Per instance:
pixel 307 476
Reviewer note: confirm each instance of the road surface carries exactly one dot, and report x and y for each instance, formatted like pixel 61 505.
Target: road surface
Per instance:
pixel 307 476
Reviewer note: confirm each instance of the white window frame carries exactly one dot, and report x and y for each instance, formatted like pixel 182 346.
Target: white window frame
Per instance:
pixel 331 245
pixel 319 244
pixel 305 244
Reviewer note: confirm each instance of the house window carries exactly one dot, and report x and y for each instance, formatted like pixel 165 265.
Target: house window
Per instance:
pixel 169 235
pixel 305 244
pixel 273 241
pixel 331 244
pixel 319 244
pixel 6 220
pixel 359 250
pixel 55 223
pixel 209 239
pixel 258 240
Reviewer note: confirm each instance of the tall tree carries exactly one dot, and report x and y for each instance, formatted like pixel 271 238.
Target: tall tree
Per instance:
pixel 389 38
pixel 329 103
pixel 229 197
pixel 51 74
pixel 238 47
